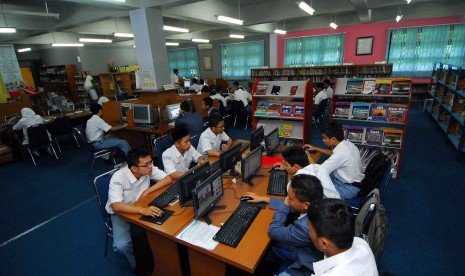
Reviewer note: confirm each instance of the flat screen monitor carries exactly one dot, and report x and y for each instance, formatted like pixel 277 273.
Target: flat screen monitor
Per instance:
pixel 229 158
pixel 124 108
pixel 207 194
pixel 190 180
pixel 256 137
pixel 250 165
pixel 172 110
pixel 144 114
pixel 272 141
pixel 187 83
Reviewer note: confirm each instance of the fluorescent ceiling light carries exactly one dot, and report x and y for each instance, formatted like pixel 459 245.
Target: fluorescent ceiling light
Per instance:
pixel 67 45
pixel 123 34
pixel 278 31
pixel 230 20
pixel 333 25
pixel 408 1
pixel 7 30
pixel 96 40
pixel 236 36
pixel 172 44
pixel 398 17
pixel 200 40
pixel 304 6
pixel 134 46
pixel 175 29
pixel 24 50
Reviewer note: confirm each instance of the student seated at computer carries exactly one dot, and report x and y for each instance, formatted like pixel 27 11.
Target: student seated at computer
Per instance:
pixel 190 120
pixel 29 118
pixel 127 185
pixel 195 86
pixel 332 227
pixel 178 158
pixel 96 128
pixel 214 95
pixel 344 164
pixel 207 105
pixel 211 139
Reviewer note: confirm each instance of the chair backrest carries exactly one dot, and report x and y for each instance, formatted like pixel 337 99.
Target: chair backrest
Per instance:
pixel 62 125
pixel 54 112
pixel 101 185
pixel 366 212
pixel 161 144
pixel 38 136
pixel 78 106
pixel 82 139
pixel 377 170
pixel 320 109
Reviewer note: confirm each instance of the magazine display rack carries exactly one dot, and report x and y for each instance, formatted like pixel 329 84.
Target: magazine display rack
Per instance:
pixel 286 105
pixel 374 114
pixel 448 105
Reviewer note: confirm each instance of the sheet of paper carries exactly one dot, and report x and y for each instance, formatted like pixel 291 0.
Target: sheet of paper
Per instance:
pixel 200 234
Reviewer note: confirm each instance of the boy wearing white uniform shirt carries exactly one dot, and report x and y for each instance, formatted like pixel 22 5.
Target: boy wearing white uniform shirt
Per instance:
pixel 320 94
pixel 327 88
pixel 127 185
pixel 211 139
pixel 331 225
pixel 178 158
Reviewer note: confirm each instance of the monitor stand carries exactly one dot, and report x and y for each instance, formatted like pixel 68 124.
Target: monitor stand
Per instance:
pixel 249 181
pixel 207 219
pixel 232 173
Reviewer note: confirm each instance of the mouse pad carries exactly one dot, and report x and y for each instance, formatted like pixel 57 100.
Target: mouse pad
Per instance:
pixel 261 204
pixel 160 220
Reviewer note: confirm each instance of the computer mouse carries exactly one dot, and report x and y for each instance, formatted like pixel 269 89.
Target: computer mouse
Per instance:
pixel 161 214
pixel 246 198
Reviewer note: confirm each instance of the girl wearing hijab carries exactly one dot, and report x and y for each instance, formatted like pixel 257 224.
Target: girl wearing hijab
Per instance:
pixel 29 118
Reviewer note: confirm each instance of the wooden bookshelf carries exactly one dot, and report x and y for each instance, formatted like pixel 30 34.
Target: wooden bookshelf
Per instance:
pixel 59 79
pixel 110 81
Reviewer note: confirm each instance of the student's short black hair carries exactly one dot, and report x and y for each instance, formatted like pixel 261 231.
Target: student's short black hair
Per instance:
pixel 95 108
pixel 134 155
pixel 186 106
pixel 295 155
pixel 327 81
pixel 212 91
pixel 195 80
pixel 175 71
pixel 205 89
pixel 208 101
pixel 236 83
pixel 334 129
pixel 178 133
pixel 333 219
pixel 319 85
pixel 307 188
pixel 215 119
pixel 202 81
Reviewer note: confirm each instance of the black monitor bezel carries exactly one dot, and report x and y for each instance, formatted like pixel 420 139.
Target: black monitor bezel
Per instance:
pixel 185 193
pixel 244 163
pixel 237 149
pixel 195 199
pixel 269 152
pixel 256 134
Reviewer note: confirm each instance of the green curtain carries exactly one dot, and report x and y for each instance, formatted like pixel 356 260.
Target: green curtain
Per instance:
pixel 314 50
pixel 413 51
pixel 237 59
pixel 185 60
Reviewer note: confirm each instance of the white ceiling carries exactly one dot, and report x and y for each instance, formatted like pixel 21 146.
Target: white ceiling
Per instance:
pixel 100 18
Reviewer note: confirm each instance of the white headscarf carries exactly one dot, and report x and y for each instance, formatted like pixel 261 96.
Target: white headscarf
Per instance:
pixel 29 118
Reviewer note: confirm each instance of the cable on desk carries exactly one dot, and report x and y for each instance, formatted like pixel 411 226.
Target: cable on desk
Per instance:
pixel 235 195
pixel 184 209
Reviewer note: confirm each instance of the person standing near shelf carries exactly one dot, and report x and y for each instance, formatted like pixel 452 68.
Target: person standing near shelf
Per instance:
pixel 320 94
pixel 327 88
pixel 344 163
pixel 174 76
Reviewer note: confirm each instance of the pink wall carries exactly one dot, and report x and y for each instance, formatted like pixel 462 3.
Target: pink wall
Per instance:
pixel 379 31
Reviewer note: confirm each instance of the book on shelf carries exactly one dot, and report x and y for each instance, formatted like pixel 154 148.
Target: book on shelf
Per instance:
pixel 392 137
pixel 378 112
pixel 273 109
pixel 261 109
pixel 400 87
pixel 293 90
pixel 397 113
pixel 374 136
pixel 285 130
pixel 354 86
pixel 275 90
pixel 298 110
pixel 368 87
pixel 452 77
pixel 286 110
pixel 458 131
pixel 360 111
pixel 383 86
pixel 355 134
pixel 459 105
pixel 448 99
pixel 261 89
pixel 341 109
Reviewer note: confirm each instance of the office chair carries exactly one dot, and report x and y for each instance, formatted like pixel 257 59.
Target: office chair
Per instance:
pixel 319 113
pixel 38 137
pixel 161 144
pixel 54 112
pixel 101 185
pixel 61 127
pixel 93 152
pixel 238 113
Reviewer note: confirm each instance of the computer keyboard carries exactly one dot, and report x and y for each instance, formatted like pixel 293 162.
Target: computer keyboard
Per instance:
pixel 236 226
pixel 277 185
pixel 166 197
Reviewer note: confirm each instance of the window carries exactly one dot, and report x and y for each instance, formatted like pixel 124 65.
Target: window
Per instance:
pixel 185 60
pixel 413 51
pixel 314 50
pixel 238 59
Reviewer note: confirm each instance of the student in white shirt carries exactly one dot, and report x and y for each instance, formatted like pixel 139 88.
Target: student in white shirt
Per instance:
pixel 211 139
pixel 240 94
pixel 178 158
pixel 102 100
pixel 327 88
pixel 332 228
pixel 174 76
pixel 320 94
pixel 214 95
pixel 195 86
pixel 344 163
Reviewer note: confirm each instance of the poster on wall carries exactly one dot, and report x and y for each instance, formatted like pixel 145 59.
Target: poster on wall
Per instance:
pixel 147 79
pixel 9 67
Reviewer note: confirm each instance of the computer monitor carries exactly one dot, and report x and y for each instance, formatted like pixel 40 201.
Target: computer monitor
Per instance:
pixel 144 114
pixel 206 195
pixel 272 141
pixel 172 110
pixel 187 83
pixel 190 180
pixel 256 137
pixel 250 165
pixel 229 158
pixel 124 108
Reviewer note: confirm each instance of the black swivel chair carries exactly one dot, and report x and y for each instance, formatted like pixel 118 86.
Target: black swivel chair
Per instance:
pixel 161 144
pixel 61 127
pixel 237 112
pixel 38 139
pixel 319 113
pixel 93 152
pixel 78 106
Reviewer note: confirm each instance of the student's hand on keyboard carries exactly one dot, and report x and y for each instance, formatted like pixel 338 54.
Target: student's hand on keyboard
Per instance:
pixel 256 198
pixel 151 211
pixel 278 166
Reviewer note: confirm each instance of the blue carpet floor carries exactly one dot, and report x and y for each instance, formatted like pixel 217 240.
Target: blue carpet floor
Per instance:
pixel 50 222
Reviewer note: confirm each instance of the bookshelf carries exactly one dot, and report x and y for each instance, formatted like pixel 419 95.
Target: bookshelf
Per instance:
pixel 80 79
pixel 374 115
pixel 447 108
pixel 319 73
pixel 289 109
pixel 59 79
pixel 110 81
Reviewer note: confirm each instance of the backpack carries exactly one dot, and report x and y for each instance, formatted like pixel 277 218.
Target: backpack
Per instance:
pixel 377 231
pixel 374 174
